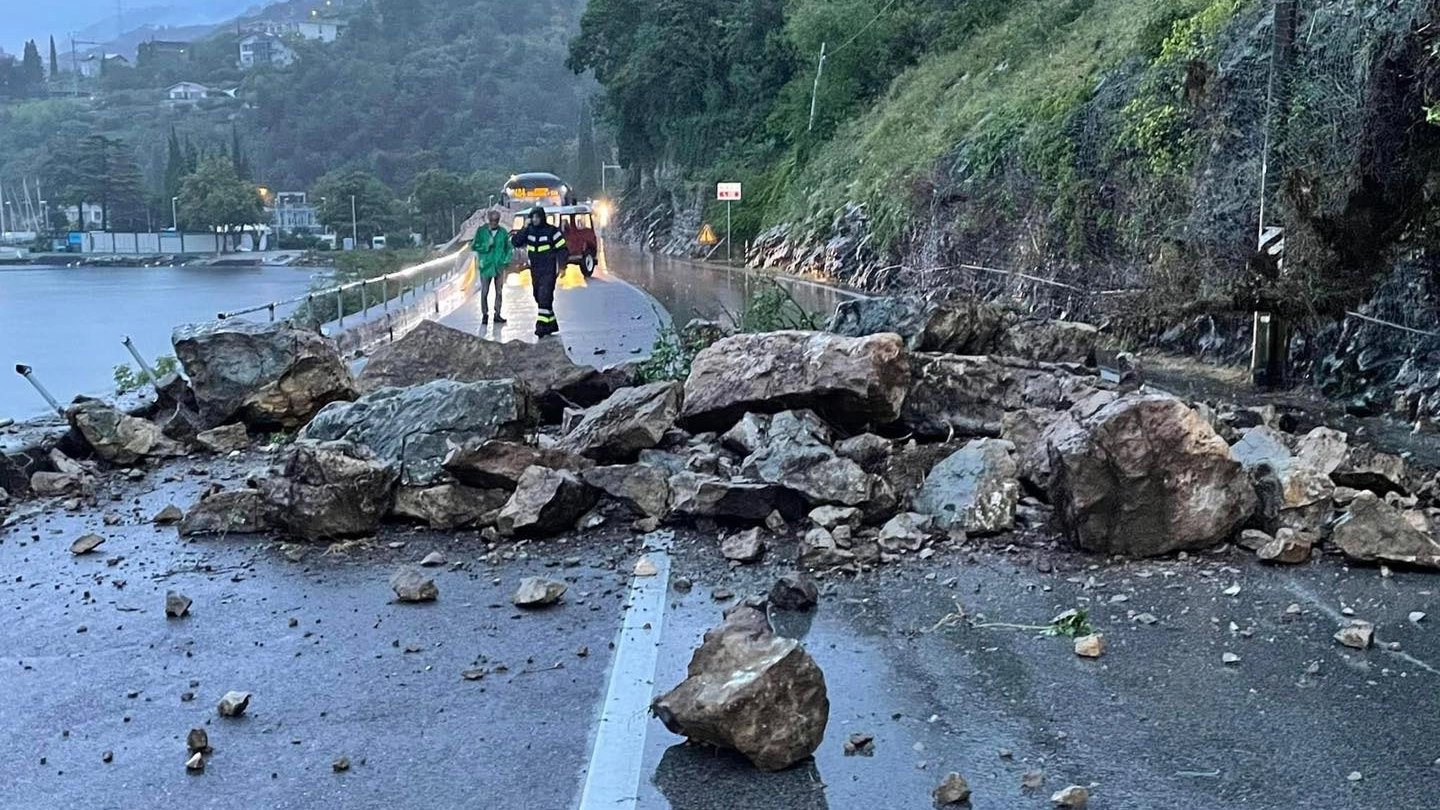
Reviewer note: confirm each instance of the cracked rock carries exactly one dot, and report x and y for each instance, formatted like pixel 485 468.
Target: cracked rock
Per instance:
pixel 234 704
pixel 538 592
pixel 410 585
pixel 176 604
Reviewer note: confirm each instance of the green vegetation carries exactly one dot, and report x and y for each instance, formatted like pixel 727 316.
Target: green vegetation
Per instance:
pixel 128 379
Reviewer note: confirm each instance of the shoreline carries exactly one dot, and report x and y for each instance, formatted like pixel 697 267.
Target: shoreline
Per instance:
pixel 298 259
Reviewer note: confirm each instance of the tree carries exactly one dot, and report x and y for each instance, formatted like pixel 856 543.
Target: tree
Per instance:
pixel 443 200
pixel 97 170
pixel 237 155
pixel 587 158
pixel 374 206
pixel 176 167
pixel 32 71
pixel 54 61
pixel 215 197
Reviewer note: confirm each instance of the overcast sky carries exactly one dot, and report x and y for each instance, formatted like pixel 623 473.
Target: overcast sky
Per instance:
pixel 28 19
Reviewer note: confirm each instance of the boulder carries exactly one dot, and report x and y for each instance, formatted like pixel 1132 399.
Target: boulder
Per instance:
pixel 224 439
pixel 1031 430
pixel 416 427
pixel 432 351
pixel 743 547
pixel 853 382
pixel 907 531
pixel 1049 341
pixel 819 551
pixel 1364 468
pixel 951 394
pixel 545 502
pixel 12 475
pixel 797 456
pixel 1373 531
pixel 180 423
pixel 962 326
pixel 447 506
pixel 1145 475
pixel 538 592
pixel 410 584
pixel 974 489
pixel 234 511
pixel 327 490
pixel 695 495
pixel 871 452
pixel 631 420
pixel 55 484
pixel 269 375
pixel 751 691
pixel 1289 547
pixel 1323 449
pixel 748 435
pixel 795 591
pixel 644 489
pixel 1292 491
pixel 499 464
pixel 118 437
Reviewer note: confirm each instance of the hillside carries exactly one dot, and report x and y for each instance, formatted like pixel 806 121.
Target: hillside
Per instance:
pixel 459 85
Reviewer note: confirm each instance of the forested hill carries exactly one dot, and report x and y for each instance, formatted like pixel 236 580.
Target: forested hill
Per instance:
pixel 1115 146
pixel 473 87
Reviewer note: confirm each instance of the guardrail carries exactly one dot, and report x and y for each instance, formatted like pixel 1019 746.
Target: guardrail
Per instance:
pixel 393 288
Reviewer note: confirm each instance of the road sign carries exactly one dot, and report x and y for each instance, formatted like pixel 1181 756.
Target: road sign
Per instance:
pixel 729 192
pixel 707 235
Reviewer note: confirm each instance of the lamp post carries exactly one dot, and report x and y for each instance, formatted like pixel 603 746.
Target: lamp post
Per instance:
pixel 354 224
pixel 175 213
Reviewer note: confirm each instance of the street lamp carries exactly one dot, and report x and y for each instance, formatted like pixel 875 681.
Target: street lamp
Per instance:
pixel 175 213
pixel 354 224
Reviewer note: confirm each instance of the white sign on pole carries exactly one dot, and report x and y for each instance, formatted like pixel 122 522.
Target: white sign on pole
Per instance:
pixel 729 192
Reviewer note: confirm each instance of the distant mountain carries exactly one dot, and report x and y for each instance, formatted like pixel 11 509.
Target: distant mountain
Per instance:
pixel 107 20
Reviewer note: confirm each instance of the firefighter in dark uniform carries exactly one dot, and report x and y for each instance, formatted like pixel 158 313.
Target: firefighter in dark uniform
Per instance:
pixel 544 246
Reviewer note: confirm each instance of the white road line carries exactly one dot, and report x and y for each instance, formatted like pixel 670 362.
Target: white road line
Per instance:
pixel 613 779
pixel 1341 619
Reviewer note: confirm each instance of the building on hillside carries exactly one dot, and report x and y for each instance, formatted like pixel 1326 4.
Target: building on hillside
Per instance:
pixel 265 49
pixel 294 213
pixel 188 94
pixel 161 53
pixel 93 65
pixel 322 30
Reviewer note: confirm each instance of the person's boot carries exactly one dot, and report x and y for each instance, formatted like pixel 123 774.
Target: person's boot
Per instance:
pixel 485 318
pixel 499 319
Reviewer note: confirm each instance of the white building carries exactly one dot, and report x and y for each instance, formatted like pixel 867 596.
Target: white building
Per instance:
pixel 94 217
pixel 294 213
pixel 187 93
pixel 265 49
pixel 315 29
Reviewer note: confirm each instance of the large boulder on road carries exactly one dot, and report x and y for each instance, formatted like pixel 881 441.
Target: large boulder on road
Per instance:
pixel 640 487
pixel 232 511
pixel 851 382
pixel 697 495
pixel 1374 531
pixel 750 691
pixel 545 502
pixel 447 506
pixel 499 464
pixel 796 455
pixel 416 427
pixel 433 351
pixel 974 489
pixel 118 437
pixel 327 490
pixel 970 396
pixel 631 420
pixel 1146 475
pixel 269 375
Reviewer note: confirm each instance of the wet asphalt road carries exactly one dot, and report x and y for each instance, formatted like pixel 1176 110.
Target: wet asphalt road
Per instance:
pixel 1158 722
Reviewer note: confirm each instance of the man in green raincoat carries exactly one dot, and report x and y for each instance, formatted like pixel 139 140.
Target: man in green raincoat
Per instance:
pixel 492 255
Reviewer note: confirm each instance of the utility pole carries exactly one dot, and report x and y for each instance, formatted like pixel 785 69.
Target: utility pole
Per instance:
pixel 815 93
pixel 354 224
pixel 1269 334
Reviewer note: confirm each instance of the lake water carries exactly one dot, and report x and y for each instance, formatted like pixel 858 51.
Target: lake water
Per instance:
pixel 68 322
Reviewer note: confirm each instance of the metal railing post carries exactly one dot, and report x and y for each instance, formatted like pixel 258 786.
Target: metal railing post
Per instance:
pixel 27 372
pixel 272 312
pixel 385 291
pixel 144 366
pixel 364 301
pixel 340 306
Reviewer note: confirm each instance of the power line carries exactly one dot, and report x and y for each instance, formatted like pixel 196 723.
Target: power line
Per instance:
pixel 868 26
pixel 820 68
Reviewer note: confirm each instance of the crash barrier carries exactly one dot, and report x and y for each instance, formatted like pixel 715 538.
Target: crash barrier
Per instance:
pixel 380 306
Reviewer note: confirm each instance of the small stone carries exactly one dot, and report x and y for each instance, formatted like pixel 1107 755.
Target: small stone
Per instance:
pixel 1146 618
pixel 1357 635
pixel 1073 796
pixel 433 560
pixel 1233 590
pixel 198 741
pixel 1416 616
pixel 1006 753
pixel 583 652
pixel 234 704
pixel 340 765
pixel 1032 780
pixel 168 516
pixel 474 674
pixel 111 519
pixel 1293 609
pixel 645 567
pixel 723 595
pixel 294 622
pixel 538 592
pixel 410 585
pixel 646 525
pixel 862 744
pixel 1354 776
pixel 176 604
pixel 775 522
pixel 744 547
pixel 134 474
pixel 1229 659
pixel 952 790
pixel 86 544
pixel 107 757
pixel 1091 646
pixel 195 763
pixel 682 584
pixel 795 591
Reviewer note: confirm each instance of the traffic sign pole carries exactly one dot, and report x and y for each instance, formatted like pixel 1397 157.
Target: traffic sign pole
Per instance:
pixel 727 231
